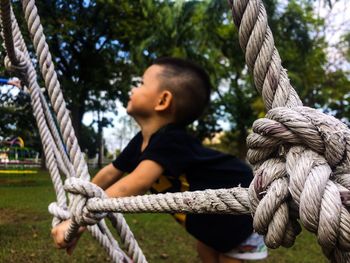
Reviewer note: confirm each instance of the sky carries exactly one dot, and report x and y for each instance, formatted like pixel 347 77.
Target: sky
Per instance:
pixel 112 135
pixel 337 21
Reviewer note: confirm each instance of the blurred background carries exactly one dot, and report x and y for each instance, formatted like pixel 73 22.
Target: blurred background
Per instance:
pixel 101 48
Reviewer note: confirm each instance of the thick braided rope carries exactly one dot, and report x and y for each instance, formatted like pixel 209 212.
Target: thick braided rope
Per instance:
pixel 50 77
pixel 20 57
pixel 315 182
pixel 59 106
pixel 280 172
pixel 54 152
pixel 279 180
pixel 122 227
pixel 225 201
pixel 88 190
pixel 262 57
pixel 53 87
pixel 56 96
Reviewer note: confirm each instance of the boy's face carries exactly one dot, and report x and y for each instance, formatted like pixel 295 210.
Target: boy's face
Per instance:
pixel 146 96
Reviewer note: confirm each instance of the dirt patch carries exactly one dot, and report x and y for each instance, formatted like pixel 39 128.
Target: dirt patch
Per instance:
pixel 6 216
pixel 17 182
pixel 13 216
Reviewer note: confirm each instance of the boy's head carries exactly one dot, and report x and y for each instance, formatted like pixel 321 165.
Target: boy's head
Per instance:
pixel 189 85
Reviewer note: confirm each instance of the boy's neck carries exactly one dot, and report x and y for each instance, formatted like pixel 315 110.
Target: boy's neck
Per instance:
pixel 149 127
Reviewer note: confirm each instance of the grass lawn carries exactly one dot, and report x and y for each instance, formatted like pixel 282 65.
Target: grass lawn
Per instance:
pixel 25 231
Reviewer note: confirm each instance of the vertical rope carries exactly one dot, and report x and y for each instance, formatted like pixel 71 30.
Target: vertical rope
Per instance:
pixel 51 81
pixel 262 57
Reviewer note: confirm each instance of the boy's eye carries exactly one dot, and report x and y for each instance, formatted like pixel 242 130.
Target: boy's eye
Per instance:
pixel 137 82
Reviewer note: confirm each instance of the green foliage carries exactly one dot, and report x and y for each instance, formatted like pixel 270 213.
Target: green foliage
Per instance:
pixel 335 93
pixel 302 50
pixel 87 43
pixel 100 45
pixel 346 41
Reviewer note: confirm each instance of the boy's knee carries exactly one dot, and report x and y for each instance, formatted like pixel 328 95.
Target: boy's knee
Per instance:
pixel 225 259
pixel 207 254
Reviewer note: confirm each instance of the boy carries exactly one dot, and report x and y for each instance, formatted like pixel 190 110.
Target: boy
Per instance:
pixel 164 158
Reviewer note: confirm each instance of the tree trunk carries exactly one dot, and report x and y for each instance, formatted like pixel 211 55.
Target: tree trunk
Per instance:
pixel 99 140
pixel 77 113
pixel 43 161
pixel 241 144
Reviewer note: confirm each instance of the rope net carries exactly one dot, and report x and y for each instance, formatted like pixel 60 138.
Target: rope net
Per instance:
pixel 300 156
pixel 70 163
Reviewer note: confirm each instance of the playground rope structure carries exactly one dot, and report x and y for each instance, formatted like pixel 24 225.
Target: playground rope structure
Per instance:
pixel 300 156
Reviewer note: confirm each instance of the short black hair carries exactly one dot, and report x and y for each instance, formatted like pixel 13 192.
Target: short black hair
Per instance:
pixel 190 86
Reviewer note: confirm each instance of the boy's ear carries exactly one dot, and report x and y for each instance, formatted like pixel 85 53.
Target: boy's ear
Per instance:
pixel 165 100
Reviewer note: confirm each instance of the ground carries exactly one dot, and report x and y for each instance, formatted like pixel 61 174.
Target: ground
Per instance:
pixel 25 231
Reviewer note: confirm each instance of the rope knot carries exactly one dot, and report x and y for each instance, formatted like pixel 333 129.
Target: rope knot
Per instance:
pixel 82 191
pixel 286 127
pixel 58 212
pixel 301 160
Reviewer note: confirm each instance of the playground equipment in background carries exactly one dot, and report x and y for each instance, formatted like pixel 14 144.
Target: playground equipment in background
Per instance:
pixel 14 141
pixel 14 157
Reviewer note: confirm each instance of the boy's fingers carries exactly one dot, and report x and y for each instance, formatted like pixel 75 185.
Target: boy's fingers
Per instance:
pixel 59 244
pixel 81 230
pixel 70 248
pixel 57 234
pixel 58 239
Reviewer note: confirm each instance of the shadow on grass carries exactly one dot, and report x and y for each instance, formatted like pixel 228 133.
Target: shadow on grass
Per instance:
pixel 17 217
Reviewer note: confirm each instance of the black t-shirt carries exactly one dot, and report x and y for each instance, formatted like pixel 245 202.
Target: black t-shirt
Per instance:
pixel 187 164
pixel 190 166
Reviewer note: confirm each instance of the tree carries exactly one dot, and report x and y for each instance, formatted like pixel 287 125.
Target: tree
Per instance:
pixel 347 41
pixel 89 141
pixel 294 26
pixel 90 42
pixel 100 46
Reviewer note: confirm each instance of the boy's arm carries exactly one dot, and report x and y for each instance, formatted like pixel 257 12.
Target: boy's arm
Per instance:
pixel 138 181
pixel 15 82
pixel 135 183
pixel 107 176
pixel 104 178
pixel 3 81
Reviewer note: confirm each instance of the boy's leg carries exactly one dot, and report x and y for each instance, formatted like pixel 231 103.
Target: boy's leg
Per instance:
pixel 210 255
pixel 225 232
pixel 226 259
pixel 207 254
